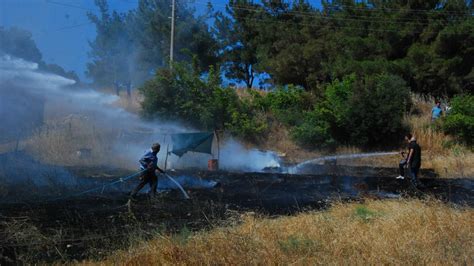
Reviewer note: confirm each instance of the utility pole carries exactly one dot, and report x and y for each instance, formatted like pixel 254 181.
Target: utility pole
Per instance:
pixel 173 3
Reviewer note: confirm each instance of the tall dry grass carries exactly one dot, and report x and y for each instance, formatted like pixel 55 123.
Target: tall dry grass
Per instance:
pixel 74 141
pixel 440 152
pixel 392 232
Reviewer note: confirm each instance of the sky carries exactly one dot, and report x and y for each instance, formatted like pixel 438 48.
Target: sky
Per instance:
pixel 61 28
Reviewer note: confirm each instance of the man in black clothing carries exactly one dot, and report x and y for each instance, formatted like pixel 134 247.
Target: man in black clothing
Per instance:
pixel 413 159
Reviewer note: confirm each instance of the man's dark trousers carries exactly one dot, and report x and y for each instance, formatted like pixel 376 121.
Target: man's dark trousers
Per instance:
pixel 149 177
pixel 414 175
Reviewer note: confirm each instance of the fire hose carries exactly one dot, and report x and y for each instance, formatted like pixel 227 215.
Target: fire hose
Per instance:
pixel 120 180
pixel 178 185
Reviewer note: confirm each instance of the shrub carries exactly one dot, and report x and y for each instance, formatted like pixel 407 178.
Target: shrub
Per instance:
pixel 376 111
pixel 460 120
pixel 288 103
pixel 314 132
pixel 185 95
pixel 361 113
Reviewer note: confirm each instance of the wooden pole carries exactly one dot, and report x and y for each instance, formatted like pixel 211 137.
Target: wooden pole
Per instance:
pixel 172 32
pixel 167 153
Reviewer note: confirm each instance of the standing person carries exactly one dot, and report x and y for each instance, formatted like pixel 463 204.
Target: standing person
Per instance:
pixel 413 158
pixel 436 112
pixel 149 162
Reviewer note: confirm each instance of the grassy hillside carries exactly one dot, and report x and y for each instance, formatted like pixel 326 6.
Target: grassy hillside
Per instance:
pixel 59 140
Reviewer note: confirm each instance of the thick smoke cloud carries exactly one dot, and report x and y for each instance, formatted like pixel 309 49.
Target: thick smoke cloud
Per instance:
pixel 23 85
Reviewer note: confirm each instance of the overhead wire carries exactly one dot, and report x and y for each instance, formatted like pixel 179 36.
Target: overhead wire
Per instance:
pixel 371 8
pixel 358 18
pixel 334 19
pixel 68 5
pixel 321 15
pixel 74 26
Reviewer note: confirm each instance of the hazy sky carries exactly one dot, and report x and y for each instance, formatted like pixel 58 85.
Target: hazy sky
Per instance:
pixel 61 28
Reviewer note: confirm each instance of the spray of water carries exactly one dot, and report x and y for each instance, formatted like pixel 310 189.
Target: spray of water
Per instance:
pixel 295 169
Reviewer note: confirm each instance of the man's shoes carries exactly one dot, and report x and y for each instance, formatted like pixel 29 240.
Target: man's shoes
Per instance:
pixel 400 177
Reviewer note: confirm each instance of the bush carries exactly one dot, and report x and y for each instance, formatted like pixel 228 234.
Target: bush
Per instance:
pixel 362 113
pixel 314 132
pixel 288 104
pixel 460 120
pixel 184 95
pixel 376 111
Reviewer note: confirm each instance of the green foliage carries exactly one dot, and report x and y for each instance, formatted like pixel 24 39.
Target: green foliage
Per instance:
pixel 183 236
pixel 129 46
pixel 376 111
pixel 19 43
pixel 363 213
pixel 235 34
pixel 431 50
pixel 287 104
pixel 362 113
pixel 297 244
pixel 314 132
pixel 460 120
pixel 183 94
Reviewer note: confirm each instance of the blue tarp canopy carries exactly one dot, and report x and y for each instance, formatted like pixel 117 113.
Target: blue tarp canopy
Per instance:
pixel 194 142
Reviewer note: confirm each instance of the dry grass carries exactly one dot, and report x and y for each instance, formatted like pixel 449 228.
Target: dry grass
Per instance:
pixel 393 232
pixel 439 150
pixel 130 103
pixel 74 141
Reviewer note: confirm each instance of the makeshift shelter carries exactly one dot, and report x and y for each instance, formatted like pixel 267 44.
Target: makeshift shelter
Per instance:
pixel 198 142
pixel 192 142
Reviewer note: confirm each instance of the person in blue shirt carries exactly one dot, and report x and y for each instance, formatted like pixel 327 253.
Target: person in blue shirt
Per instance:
pixel 149 162
pixel 436 112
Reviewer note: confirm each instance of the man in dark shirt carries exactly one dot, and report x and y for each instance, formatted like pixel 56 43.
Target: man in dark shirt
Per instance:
pixel 149 162
pixel 414 158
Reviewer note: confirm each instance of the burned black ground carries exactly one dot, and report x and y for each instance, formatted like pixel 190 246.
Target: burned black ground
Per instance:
pixel 66 227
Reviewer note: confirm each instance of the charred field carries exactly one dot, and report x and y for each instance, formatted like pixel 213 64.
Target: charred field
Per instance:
pixel 65 224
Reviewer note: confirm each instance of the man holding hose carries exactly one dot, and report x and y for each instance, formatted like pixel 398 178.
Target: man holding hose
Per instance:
pixel 149 164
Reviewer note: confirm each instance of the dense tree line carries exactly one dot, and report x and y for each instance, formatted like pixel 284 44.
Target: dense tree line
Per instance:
pixel 340 74
pixel 427 43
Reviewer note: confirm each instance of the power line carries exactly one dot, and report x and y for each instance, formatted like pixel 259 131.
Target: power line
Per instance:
pixel 316 15
pixel 69 5
pixel 74 26
pixel 369 8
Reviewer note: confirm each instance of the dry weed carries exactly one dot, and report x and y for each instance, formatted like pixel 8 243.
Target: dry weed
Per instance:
pixel 378 232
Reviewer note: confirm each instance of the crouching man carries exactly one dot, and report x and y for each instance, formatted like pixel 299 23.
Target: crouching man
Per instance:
pixel 149 162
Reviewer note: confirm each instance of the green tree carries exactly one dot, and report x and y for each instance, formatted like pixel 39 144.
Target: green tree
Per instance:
pixel 110 51
pixel 366 112
pixel 130 46
pixel 19 43
pixel 459 122
pixel 235 33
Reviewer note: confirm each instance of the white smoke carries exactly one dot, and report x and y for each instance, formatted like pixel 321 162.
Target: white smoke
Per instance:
pixel 236 157
pixel 132 136
pixel 23 73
